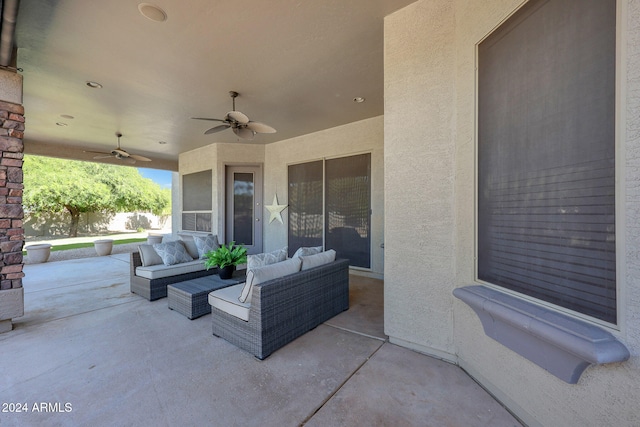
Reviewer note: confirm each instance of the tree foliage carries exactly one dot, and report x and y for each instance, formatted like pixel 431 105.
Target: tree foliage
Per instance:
pixel 55 185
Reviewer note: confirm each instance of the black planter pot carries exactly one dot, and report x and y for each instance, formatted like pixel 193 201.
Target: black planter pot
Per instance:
pixel 226 272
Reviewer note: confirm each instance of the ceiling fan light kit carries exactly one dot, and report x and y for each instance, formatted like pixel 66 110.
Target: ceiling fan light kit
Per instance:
pixel 238 122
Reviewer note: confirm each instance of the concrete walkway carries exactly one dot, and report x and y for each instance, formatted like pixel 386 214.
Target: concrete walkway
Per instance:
pixel 88 352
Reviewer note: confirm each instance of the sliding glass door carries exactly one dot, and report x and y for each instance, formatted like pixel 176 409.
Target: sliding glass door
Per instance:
pixel 348 208
pixel 305 205
pixel 330 206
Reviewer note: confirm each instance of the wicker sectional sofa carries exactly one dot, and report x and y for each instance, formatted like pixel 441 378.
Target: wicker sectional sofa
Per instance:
pixel 153 267
pixel 282 309
pixel 154 286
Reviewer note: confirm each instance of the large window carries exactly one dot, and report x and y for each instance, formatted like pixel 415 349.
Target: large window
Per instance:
pixel 546 155
pixel 197 201
pixel 331 200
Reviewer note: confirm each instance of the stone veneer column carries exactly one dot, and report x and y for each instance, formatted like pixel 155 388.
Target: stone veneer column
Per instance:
pixel 11 187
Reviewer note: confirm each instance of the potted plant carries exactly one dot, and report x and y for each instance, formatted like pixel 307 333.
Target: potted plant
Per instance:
pixel 226 258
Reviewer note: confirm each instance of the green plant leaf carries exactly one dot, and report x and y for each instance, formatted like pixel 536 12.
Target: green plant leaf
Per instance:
pixel 226 255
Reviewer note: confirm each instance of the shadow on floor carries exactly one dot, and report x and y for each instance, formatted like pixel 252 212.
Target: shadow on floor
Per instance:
pixel 97 355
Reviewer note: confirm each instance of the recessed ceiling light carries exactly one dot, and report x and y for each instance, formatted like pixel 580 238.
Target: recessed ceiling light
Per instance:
pixel 61 124
pixel 66 116
pixel 152 12
pixel 94 85
pixel 358 99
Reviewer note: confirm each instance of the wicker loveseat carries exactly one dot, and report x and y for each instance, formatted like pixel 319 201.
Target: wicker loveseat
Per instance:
pixel 285 308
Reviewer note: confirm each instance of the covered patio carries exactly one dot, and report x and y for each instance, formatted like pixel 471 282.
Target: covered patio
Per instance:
pixel 88 352
pixel 431 93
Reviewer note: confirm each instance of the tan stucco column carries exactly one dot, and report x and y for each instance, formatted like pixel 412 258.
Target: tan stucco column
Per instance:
pixel 11 187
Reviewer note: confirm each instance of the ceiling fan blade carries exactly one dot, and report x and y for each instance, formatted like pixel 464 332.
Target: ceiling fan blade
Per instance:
pixel 239 117
pixel 260 127
pixel 217 129
pixel 207 118
pixel 104 156
pixel 129 160
pixel 244 132
pixel 139 158
pixel 119 152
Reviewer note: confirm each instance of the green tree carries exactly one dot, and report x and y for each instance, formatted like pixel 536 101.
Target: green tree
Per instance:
pixel 54 185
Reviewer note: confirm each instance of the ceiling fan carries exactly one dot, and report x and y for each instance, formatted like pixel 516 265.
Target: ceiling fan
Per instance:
pixel 238 122
pixel 120 154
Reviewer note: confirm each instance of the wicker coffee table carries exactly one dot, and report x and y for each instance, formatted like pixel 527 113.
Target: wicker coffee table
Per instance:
pixel 190 297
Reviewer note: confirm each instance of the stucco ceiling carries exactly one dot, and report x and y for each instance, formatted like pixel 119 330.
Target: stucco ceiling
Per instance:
pixel 297 64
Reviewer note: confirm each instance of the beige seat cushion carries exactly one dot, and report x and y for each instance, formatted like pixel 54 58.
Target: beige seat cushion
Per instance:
pixel 226 299
pixel 160 271
pixel 268 272
pixel 318 259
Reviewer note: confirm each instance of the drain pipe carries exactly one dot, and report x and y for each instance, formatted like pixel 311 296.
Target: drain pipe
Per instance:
pixel 9 17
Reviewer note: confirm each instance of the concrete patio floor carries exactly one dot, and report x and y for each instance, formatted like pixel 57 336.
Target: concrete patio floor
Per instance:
pixel 88 352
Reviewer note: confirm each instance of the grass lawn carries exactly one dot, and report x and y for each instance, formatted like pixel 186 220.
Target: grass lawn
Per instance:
pixel 90 244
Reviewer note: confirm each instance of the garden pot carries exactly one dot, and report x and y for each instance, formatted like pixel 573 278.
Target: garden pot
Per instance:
pixel 38 253
pixel 103 247
pixel 227 272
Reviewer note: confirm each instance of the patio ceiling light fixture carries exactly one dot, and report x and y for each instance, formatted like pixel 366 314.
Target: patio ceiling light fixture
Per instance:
pixel 94 85
pixel 152 12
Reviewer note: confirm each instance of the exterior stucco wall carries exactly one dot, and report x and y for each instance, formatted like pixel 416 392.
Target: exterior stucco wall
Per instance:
pixel 216 157
pixel 430 80
pixel 365 136
pixel 420 176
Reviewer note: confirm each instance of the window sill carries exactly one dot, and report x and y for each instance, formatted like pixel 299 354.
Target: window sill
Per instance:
pixel 562 345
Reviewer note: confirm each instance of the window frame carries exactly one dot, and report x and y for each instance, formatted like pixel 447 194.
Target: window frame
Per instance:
pixel 619 173
pixel 196 212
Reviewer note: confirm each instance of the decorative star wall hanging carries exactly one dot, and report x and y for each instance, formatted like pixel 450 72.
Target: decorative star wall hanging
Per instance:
pixel 276 209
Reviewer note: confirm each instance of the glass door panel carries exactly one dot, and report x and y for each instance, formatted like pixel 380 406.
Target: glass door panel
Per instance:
pixel 348 208
pixel 244 207
pixel 243 200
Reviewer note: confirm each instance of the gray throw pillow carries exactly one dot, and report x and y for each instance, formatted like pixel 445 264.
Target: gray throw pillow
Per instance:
pixel 172 252
pixel 206 243
pixel 268 272
pixel 318 259
pixel 148 255
pixel 306 251
pixel 260 260
pixel 189 245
